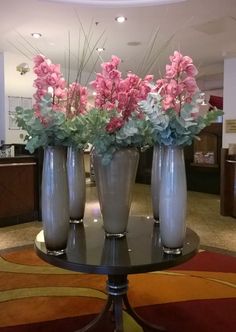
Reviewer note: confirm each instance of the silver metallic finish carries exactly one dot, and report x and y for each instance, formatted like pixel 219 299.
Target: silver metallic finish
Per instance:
pixel 173 200
pixel 157 161
pixel 76 183
pixel 55 200
pixel 114 184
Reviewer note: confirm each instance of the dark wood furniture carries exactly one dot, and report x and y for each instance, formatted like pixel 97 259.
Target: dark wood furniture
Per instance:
pixel 228 184
pixel 140 251
pixel 18 190
pixel 205 177
pixel 145 167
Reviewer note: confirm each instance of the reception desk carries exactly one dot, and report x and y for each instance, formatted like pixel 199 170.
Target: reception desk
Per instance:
pixel 19 190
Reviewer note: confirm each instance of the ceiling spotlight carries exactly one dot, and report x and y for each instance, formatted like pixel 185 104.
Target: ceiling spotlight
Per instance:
pixel 100 49
pixel 120 19
pixel 36 35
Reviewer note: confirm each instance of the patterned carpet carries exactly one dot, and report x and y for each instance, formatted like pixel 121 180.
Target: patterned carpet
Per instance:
pixel 198 296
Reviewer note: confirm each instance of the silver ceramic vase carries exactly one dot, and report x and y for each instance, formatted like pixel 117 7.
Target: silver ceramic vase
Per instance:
pixel 157 161
pixel 55 200
pixel 76 183
pixel 114 185
pixel 173 200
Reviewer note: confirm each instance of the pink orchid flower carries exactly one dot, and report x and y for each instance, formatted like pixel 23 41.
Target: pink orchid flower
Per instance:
pixel 114 92
pixel 38 59
pixel 50 76
pixel 179 84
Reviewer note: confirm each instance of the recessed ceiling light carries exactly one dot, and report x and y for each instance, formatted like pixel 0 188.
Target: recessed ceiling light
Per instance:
pixel 100 49
pixel 36 35
pixel 120 19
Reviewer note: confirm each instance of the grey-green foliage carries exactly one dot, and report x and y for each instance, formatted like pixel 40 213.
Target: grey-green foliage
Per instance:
pixel 134 133
pixel 55 129
pixel 170 128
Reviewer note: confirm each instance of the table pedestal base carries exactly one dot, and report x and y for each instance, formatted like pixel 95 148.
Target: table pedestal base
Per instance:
pixel 117 287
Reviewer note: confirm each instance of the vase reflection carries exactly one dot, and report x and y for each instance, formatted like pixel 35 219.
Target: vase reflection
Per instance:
pixel 156 245
pixel 115 252
pixel 76 245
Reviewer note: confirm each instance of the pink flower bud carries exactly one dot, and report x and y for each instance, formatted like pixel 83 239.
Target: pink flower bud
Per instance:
pixel 38 59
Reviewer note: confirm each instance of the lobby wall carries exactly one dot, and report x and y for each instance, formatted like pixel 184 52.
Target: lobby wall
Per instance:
pixel 15 85
pixel 229 99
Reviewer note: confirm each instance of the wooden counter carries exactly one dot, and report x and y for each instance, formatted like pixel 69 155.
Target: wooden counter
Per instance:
pixel 19 190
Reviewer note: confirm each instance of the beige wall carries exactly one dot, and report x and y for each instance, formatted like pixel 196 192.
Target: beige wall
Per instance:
pixel 229 99
pixel 16 85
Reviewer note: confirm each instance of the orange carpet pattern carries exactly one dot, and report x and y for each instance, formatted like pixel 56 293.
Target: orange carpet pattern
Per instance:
pixel 198 296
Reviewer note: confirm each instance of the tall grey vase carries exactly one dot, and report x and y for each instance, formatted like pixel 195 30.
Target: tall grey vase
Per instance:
pixel 76 183
pixel 114 185
pixel 173 200
pixel 55 200
pixel 157 161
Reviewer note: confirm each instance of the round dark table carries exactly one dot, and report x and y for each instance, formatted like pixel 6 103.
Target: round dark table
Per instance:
pixel 89 251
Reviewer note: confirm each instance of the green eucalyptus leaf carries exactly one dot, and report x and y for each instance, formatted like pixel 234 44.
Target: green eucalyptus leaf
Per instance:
pixel 169 127
pixel 55 129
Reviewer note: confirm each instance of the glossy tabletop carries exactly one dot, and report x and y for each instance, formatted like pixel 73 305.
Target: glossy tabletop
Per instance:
pixel 89 251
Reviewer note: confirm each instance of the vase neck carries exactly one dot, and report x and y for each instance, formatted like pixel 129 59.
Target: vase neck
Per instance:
pixel 54 147
pixel 177 147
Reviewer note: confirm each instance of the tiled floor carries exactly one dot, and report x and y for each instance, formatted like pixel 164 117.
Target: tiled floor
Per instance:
pixel 202 216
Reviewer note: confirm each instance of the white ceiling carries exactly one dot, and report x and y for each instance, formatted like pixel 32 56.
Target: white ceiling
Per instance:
pixel 202 29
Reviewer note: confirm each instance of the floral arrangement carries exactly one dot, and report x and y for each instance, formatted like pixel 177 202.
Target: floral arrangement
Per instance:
pixel 172 108
pixel 57 117
pixel 116 120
